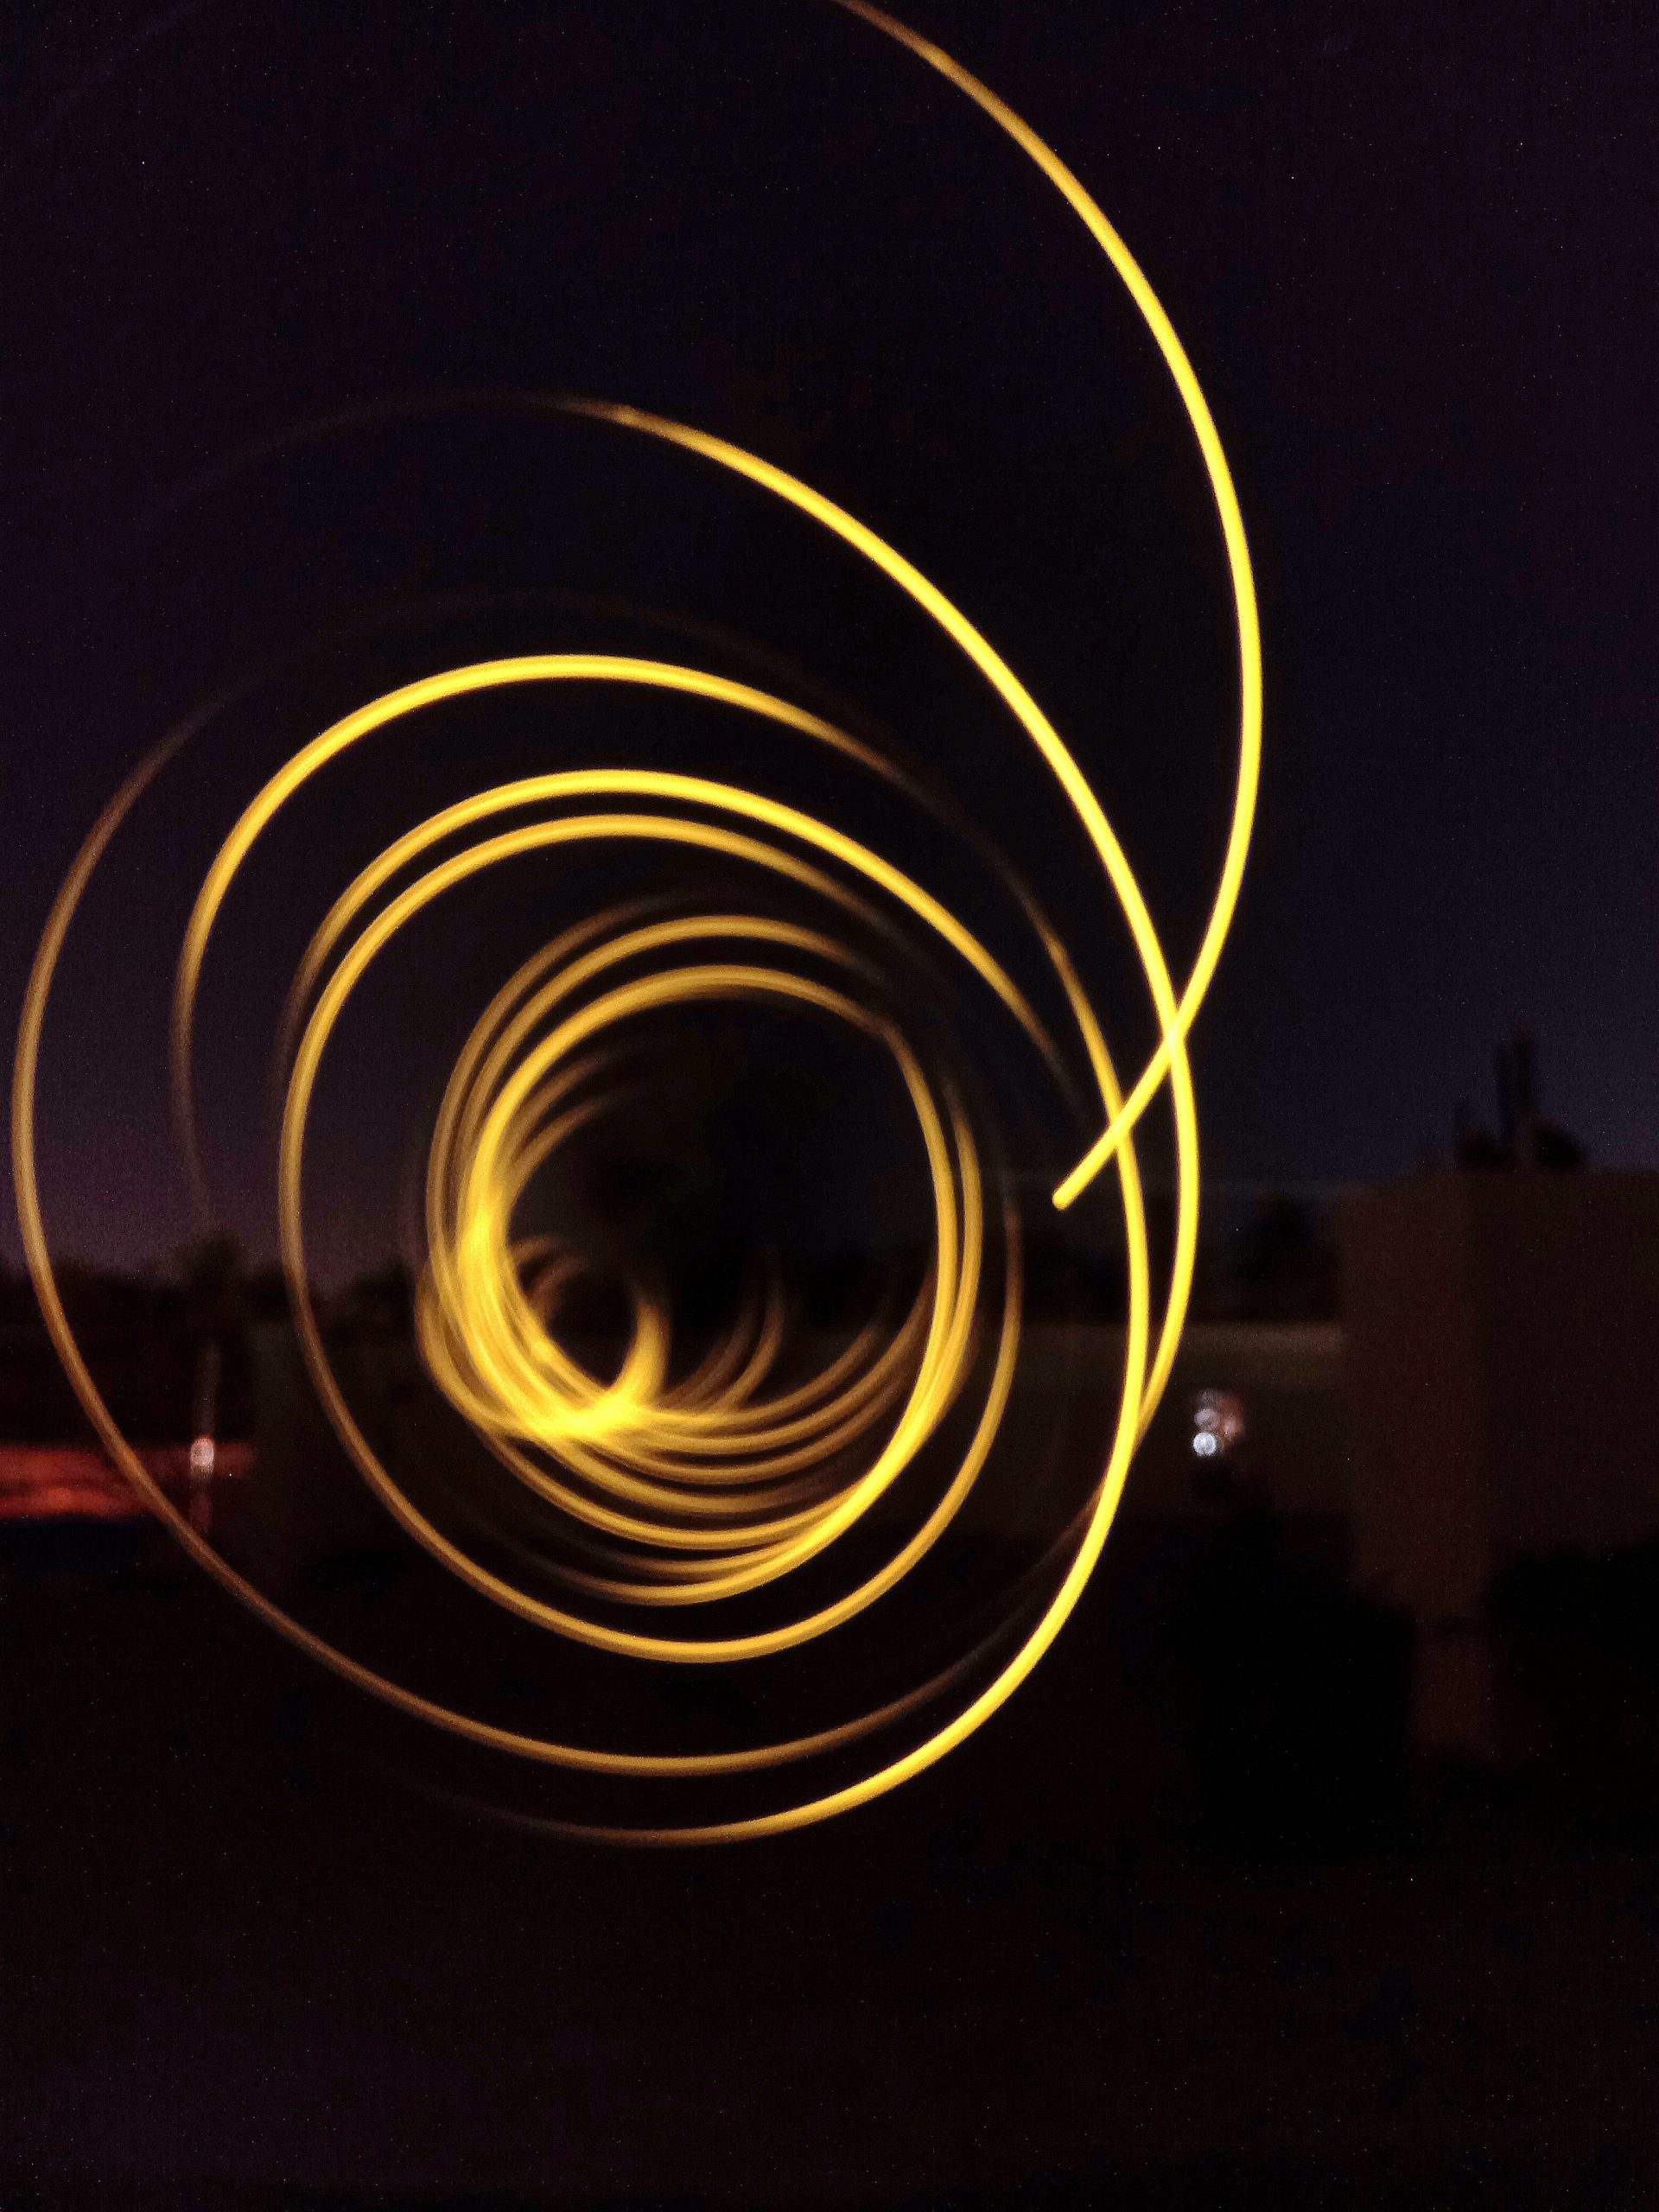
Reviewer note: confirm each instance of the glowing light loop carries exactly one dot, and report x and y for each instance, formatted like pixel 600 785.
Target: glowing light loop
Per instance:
pixel 686 1487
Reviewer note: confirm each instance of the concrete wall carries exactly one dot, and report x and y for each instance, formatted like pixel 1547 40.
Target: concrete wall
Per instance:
pixel 306 1503
pixel 1502 1377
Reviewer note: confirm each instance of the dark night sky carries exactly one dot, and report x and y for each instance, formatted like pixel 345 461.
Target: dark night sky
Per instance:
pixel 1408 248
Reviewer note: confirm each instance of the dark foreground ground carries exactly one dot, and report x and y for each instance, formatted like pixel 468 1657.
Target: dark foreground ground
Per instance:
pixel 240 1972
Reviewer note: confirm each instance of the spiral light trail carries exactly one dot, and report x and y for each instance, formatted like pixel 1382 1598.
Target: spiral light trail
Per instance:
pixel 671 1485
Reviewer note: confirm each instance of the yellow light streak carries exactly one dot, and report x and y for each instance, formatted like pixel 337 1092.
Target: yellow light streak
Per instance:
pixel 708 1483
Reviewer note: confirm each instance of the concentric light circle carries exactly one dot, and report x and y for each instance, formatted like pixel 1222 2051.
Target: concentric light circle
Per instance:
pixel 667 1482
